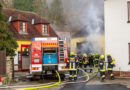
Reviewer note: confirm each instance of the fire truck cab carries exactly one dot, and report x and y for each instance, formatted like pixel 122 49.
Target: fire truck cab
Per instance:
pixel 48 54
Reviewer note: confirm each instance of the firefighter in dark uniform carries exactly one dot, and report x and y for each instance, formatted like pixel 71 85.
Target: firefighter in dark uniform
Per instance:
pixel 85 61
pixel 77 61
pixel 71 63
pixel 97 56
pixel 111 64
pixel 91 61
pixel 102 67
pixel 80 60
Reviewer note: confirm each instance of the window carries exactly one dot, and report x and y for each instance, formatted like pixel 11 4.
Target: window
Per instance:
pixel 128 11
pixel 44 29
pixel 22 27
pixel 129 52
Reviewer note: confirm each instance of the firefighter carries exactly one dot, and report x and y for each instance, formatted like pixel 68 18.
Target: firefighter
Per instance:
pixel 111 64
pixel 77 61
pixel 91 61
pixel 80 60
pixel 85 61
pixel 102 67
pixel 97 56
pixel 72 67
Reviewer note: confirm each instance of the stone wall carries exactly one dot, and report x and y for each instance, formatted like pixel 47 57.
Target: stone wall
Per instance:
pixel 8 77
pixel 9 68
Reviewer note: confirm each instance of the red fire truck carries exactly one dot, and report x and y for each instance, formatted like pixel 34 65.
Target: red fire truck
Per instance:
pixel 47 55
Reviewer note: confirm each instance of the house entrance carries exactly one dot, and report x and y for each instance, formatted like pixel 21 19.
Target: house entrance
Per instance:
pixel 25 57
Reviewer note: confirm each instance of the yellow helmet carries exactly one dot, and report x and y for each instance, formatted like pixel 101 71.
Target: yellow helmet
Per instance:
pixel 113 59
pixel 85 55
pixel 102 57
pixel 72 53
pixel 108 54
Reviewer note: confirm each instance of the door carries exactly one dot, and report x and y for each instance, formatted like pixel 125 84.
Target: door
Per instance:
pixel 25 57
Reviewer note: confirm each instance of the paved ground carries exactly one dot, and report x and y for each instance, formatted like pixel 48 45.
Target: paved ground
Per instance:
pixel 118 84
pixel 95 84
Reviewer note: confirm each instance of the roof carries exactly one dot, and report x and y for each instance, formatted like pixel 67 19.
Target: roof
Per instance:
pixel 27 16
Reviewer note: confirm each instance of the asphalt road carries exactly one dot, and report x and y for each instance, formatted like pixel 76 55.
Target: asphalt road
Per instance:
pixel 94 87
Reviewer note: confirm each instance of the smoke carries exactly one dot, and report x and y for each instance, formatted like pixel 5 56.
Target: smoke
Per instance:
pixel 94 28
pixel 86 16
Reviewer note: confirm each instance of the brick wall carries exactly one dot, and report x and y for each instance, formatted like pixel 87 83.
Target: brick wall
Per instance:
pixel 120 74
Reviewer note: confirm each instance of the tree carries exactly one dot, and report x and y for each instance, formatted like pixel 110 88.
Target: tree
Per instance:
pixel 56 12
pixel 41 8
pixel 7 41
pixel 25 5
pixel 7 3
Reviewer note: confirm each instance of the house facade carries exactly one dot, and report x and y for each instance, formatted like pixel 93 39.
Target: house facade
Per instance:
pixel 82 42
pixel 117 32
pixel 25 26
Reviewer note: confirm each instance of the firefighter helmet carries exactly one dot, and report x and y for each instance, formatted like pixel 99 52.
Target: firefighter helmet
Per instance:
pixel 72 53
pixel 85 55
pixel 97 54
pixel 108 54
pixel 102 57
pixel 113 60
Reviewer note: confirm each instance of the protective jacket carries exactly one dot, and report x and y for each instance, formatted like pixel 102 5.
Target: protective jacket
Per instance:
pixel 111 63
pixel 80 58
pixel 97 59
pixel 85 60
pixel 71 63
pixel 91 60
pixel 102 65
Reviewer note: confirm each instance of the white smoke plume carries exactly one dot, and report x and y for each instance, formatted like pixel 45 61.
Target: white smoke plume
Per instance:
pixel 86 16
pixel 94 27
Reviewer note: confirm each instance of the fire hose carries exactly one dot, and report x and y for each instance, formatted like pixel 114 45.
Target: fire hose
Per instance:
pixel 44 86
pixel 33 86
pixel 53 84
pixel 86 75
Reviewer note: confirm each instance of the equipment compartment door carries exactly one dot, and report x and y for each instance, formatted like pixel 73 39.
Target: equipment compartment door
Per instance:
pixel 49 59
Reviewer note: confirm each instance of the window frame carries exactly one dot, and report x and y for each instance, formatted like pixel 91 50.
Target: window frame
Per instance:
pixel 45 31
pixel 128 7
pixel 22 27
pixel 129 52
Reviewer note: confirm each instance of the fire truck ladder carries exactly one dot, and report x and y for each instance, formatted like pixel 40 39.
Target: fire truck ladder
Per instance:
pixel 61 50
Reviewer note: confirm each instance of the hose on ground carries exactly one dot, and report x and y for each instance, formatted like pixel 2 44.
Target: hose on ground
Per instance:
pixel 44 86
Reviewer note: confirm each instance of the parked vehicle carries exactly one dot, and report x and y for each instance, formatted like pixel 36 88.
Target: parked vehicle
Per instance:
pixel 48 54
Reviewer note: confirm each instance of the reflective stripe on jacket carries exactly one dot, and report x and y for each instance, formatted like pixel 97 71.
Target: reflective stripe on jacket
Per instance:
pixel 102 65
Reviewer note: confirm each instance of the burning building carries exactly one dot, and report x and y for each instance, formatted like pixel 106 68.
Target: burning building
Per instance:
pixel 82 42
pixel 90 36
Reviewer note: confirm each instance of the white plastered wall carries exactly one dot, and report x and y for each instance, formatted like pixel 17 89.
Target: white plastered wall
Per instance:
pixel 117 32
